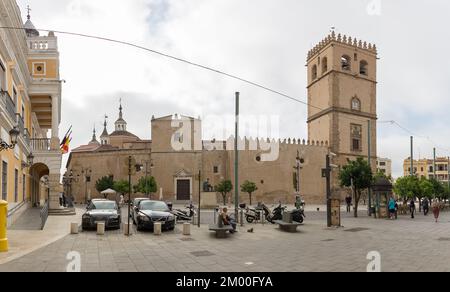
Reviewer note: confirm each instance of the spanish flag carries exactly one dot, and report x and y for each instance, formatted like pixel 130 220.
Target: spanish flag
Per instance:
pixel 66 141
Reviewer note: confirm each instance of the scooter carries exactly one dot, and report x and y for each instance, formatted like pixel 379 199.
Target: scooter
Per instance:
pixel 277 214
pixel 252 215
pixel 185 215
pixel 298 215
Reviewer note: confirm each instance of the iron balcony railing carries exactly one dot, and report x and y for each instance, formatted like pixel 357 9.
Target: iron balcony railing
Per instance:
pixel 20 124
pixel 27 136
pixel 42 144
pixel 9 104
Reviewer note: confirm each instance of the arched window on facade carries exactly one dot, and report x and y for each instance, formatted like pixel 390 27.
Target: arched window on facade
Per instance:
pixel 363 68
pixel 314 72
pixel 324 65
pixel 356 104
pixel 345 63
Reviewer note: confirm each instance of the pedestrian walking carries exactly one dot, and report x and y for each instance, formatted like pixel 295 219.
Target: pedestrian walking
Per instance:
pixel 392 209
pixel 436 209
pixel 348 201
pixel 412 207
pixel 426 206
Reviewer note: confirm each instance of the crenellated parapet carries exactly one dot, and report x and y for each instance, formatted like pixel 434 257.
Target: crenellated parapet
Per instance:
pixel 342 39
pixel 252 144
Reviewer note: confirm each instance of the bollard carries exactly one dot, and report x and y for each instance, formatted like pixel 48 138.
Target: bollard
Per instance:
pixel 157 228
pixel 101 228
pixel 261 217
pixel 74 228
pixel 125 228
pixel 3 224
pixel 241 218
pixel 187 229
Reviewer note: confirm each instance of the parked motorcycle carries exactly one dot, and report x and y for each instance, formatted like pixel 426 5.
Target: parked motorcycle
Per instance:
pixel 185 215
pixel 254 214
pixel 277 214
pixel 298 215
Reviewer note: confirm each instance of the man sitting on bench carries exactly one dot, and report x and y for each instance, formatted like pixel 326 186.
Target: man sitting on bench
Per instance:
pixel 227 220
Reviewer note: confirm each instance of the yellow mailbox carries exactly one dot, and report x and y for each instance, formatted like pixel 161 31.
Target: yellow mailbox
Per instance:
pixel 3 224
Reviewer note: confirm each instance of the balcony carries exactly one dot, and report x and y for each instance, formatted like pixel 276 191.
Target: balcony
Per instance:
pixel 27 136
pixel 40 145
pixel 20 124
pixel 8 103
pixel 42 43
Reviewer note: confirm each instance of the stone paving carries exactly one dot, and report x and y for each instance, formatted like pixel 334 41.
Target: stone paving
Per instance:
pixel 404 245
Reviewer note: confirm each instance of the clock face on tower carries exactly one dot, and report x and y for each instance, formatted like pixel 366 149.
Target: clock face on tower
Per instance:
pixel 39 68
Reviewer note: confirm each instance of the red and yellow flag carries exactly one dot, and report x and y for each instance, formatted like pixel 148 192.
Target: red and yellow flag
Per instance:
pixel 66 141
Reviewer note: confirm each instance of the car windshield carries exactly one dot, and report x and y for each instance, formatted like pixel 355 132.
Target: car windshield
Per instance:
pixel 153 206
pixel 104 205
pixel 137 201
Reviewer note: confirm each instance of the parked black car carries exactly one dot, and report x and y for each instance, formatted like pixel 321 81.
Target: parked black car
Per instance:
pixel 101 211
pixel 148 212
pixel 134 205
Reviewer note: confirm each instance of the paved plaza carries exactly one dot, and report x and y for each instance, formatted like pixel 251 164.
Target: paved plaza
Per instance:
pixel 404 245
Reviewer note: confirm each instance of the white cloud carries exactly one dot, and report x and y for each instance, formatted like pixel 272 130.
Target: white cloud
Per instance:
pixel 263 40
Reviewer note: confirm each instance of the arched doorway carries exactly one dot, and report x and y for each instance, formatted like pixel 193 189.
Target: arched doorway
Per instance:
pixel 38 172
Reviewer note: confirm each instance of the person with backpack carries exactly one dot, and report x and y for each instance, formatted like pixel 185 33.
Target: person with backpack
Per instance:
pixel 391 208
pixel 412 207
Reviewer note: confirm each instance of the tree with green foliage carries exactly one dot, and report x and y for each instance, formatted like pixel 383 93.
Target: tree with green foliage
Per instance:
pixel 357 175
pixel 122 187
pixel 104 183
pixel 407 187
pixel 146 185
pixel 249 188
pixel 427 188
pixel 224 187
pixel 438 188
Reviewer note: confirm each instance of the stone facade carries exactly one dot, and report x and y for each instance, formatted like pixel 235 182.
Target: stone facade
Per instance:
pixel 341 98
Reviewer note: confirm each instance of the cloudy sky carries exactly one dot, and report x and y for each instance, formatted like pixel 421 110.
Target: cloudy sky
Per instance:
pixel 265 41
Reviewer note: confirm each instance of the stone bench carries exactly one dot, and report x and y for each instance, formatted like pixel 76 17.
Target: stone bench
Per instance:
pixel 221 232
pixel 289 227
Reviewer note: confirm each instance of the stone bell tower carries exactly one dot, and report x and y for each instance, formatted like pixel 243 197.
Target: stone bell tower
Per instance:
pixel 342 96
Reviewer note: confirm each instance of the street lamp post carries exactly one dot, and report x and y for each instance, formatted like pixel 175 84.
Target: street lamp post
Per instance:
pixel 13 134
pixel 298 166
pixel 87 178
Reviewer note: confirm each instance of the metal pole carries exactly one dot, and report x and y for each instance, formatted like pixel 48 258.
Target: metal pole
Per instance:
pixel 412 158
pixel 328 177
pixel 146 179
pixel 448 174
pixel 236 161
pixel 199 196
pixel 129 194
pixel 298 172
pixel 434 163
pixel 369 155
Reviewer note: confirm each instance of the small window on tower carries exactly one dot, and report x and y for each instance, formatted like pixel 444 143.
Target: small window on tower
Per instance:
pixel 324 65
pixel 363 68
pixel 356 137
pixel 314 72
pixel 216 169
pixel 346 63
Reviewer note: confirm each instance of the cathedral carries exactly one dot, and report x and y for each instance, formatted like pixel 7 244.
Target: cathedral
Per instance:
pixel 341 119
